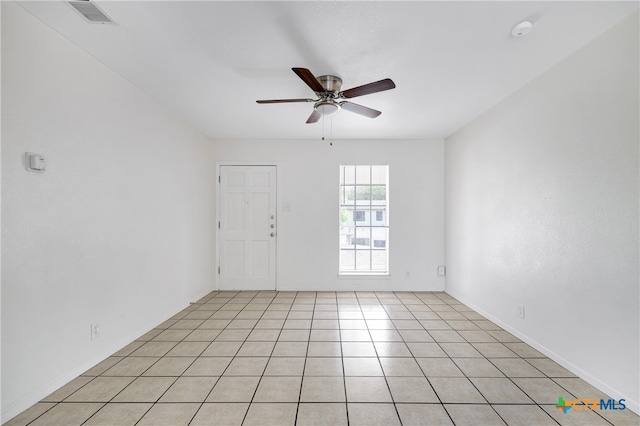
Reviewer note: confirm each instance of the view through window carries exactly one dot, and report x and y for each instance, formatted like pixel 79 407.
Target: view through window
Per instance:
pixel 364 219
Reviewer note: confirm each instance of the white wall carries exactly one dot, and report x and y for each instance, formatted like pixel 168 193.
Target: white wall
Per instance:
pixel 542 210
pixel 118 231
pixel 308 234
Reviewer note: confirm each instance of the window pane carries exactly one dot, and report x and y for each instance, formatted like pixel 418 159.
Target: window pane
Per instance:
pixel 349 194
pixel 379 175
pixel 347 235
pixel 363 238
pixel 379 260
pixel 349 175
pixel 363 175
pixel 379 237
pixel 347 260
pixel 363 260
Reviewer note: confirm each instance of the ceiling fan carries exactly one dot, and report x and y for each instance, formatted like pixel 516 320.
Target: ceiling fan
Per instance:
pixel 328 90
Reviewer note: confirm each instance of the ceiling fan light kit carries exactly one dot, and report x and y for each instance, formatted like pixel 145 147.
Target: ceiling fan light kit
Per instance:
pixel 328 90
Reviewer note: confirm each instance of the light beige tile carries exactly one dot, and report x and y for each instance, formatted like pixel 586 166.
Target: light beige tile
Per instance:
pixel 297 324
pixel 131 366
pixel 246 366
pixel 222 349
pixel 380 324
pixel 30 414
pixel 503 336
pixel 362 367
pixel 473 415
pixel 168 366
pixel 256 349
pixel 269 414
pixel 321 414
pixel 524 415
pixel 426 350
pixel 234 389
pixel 516 367
pixel 353 324
pixel 624 417
pixel 355 335
pixel 392 349
pixel 549 367
pixel 153 349
pixel 171 335
pixel 321 349
pixel 387 335
pixel 586 417
pixel 202 335
pixel 121 414
pixel 400 367
pixel 295 349
pixel 294 336
pixel 278 389
pixel 439 367
pixel 411 389
pixel 239 335
pixel 300 314
pixel 580 388
pixel 220 414
pixel 68 414
pixel 189 389
pixel 68 389
pixel 457 390
pixel 495 350
pixel 323 366
pixel 477 367
pixel 169 415
pixel 407 324
pixel 477 336
pixel 145 389
pixel 208 366
pixel 460 350
pixel 102 366
pixel 435 324
pixel 185 324
pixel 447 336
pixel 285 366
pixel 498 390
pixel 524 350
pixel 100 389
pixel 130 348
pixel 372 415
pixel 423 415
pixel 416 336
pixel 367 389
pixel 322 389
pixel 541 390
pixel 188 349
pixel 149 335
pixel 358 349
pixel 264 335
pixel 322 335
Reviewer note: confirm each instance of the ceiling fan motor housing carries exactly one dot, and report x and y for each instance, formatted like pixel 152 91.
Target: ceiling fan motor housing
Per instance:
pixel 331 83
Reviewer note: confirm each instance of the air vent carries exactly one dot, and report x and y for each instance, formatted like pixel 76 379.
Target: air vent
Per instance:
pixel 91 12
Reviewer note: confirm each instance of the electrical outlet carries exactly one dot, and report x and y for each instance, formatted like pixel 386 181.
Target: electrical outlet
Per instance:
pixel 95 331
pixel 407 274
pixel 442 271
pixel 521 311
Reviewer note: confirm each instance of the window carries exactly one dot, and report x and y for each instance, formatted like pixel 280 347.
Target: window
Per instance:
pixel 364 216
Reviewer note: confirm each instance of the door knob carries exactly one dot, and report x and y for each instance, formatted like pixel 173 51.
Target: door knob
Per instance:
pixel 272 226
pixel 273 234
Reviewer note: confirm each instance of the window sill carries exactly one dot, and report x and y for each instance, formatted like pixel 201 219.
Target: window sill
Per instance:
pixel 364 276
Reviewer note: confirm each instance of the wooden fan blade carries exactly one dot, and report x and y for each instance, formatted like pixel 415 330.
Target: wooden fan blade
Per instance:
pixel 359 109
pixel 367 89
pixel 282 101
pixel 309 78
pixel 314 117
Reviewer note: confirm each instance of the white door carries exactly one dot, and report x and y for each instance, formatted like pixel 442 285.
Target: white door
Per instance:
pixel 247 228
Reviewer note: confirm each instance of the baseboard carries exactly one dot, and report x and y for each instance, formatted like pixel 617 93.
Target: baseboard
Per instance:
pixel 593 381
pixel 38 394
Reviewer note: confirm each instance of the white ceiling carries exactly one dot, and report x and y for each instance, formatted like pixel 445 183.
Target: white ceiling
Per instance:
pixel 451 61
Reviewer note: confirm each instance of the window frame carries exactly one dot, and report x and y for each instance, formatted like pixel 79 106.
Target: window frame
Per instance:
pixel 354 231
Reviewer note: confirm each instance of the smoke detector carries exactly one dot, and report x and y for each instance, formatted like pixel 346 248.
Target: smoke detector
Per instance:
pixel 521 29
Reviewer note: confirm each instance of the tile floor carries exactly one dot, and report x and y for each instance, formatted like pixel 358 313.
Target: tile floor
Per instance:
pixel 325 358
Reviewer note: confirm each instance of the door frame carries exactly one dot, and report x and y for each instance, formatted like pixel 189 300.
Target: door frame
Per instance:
pixel 216 264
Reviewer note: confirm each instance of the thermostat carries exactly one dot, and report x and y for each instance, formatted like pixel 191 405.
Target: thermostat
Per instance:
pixel 34 162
